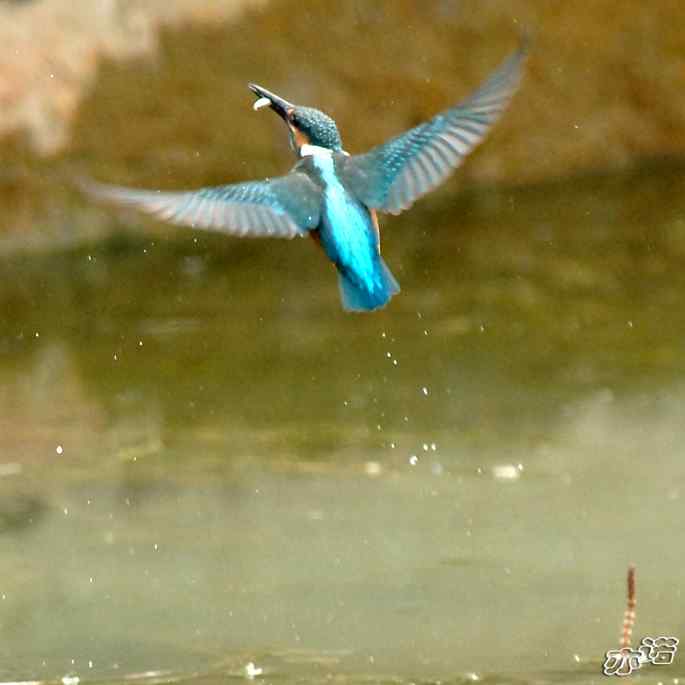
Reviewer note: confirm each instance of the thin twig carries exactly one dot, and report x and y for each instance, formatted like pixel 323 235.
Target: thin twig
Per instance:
pixel 629 615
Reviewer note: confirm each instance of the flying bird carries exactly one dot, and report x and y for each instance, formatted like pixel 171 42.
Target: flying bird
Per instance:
pixel 334 196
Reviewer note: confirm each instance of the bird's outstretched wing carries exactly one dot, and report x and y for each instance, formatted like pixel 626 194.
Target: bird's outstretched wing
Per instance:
pixel 282 207
pixel 392 176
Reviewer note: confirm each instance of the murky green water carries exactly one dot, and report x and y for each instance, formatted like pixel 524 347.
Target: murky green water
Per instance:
pixel 205 463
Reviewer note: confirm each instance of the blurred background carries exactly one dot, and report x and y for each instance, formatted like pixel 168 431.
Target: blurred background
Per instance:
pixel 209 471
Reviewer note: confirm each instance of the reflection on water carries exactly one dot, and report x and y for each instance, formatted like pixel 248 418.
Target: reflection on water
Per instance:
pixel 204 463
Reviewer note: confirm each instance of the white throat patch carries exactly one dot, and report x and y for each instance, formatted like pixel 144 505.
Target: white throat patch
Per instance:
pixel 317 151
pixel 314 151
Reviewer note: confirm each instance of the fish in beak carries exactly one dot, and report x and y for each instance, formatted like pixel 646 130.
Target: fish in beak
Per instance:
pixel 265 98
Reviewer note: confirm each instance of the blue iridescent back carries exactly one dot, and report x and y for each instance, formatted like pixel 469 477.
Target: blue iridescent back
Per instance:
pixel 349 238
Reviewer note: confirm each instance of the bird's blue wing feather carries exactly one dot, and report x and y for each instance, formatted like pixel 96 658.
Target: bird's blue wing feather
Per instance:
pixel 392 176
pixel 281 207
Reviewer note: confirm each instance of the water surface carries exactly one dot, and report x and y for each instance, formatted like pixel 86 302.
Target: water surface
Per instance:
pixel 205 463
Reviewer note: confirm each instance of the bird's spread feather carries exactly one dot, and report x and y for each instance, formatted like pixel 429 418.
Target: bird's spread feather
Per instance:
pixel 392 176
pixel 281 207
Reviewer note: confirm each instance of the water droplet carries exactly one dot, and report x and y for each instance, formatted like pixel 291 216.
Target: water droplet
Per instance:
pixel 506 472
pixel 373 468
pixel 251 671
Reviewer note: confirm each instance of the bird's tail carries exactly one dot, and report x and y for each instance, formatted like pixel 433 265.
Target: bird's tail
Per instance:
pixel 358 298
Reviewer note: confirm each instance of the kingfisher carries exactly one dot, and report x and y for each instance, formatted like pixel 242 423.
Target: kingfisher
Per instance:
pixel 331 195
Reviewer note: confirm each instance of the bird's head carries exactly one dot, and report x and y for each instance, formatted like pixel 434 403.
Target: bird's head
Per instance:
pixel 306 126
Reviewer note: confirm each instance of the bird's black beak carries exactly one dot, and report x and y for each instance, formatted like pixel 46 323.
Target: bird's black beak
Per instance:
pixel 265 98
